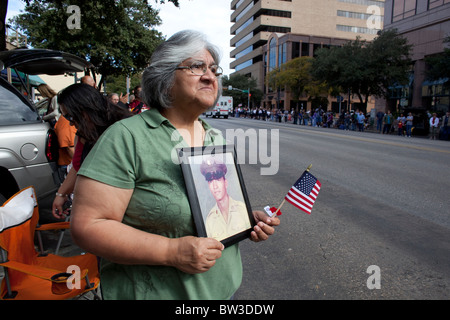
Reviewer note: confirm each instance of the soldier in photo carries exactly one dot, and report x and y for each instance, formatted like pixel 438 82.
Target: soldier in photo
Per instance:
pixel 228 216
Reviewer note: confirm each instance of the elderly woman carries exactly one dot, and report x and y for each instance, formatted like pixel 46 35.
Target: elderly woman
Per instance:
pixel 131 206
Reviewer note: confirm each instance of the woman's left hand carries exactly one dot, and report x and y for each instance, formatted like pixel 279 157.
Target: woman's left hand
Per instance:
pixel 264 226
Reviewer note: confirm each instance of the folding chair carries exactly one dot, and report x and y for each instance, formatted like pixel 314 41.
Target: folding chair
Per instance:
pixel 29 276
pixel 61 226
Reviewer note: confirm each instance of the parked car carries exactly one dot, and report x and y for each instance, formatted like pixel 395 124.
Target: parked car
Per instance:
pixel 28 145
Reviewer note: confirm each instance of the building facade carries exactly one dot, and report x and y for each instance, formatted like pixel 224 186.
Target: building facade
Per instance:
pixel 267 33
pixel 425 24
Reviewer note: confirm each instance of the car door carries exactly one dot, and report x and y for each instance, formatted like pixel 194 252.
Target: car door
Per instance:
pixel 28 146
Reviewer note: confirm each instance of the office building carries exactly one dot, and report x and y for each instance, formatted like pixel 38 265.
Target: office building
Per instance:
pixel 267 33
pixel 425 23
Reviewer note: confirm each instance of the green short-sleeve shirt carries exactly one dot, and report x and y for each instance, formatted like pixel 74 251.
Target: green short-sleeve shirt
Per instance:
pixel 139 153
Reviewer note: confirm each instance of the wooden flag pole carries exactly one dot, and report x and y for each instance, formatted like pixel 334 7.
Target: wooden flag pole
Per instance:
pixel 276 212
pixel 284 200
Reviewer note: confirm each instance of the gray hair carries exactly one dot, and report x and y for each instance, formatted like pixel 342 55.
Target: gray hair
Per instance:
pixel 159 77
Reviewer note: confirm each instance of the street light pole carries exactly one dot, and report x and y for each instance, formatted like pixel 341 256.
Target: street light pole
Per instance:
pixel 245 91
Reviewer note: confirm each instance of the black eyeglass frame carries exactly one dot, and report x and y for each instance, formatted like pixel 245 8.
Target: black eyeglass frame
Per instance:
pixel 217 73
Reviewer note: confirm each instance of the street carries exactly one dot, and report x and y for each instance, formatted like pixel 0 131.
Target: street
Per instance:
pixel 384 206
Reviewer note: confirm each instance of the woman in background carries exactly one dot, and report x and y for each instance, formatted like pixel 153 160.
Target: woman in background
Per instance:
pixel 91 113
pixel 48 106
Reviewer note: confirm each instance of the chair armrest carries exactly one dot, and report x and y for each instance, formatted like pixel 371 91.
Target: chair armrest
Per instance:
pixel 40 272
pixel 54 226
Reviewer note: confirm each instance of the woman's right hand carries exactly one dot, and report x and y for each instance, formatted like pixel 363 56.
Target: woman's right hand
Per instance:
pixel 195 255
pixel 57 207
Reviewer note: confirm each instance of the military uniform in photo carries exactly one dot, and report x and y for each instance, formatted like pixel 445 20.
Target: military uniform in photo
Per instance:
pixel 217 226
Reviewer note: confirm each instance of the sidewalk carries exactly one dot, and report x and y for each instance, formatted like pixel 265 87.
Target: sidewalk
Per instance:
pixel 370 129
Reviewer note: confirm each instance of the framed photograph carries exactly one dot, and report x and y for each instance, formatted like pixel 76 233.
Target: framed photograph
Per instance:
pixel 217 194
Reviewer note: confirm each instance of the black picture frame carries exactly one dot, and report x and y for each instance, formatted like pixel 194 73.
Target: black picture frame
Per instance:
pixel 201 163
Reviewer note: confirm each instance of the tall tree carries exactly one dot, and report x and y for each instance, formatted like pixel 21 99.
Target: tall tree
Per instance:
pixel 242 82
pixel 366 68
pixel 296 76
pixel 116 36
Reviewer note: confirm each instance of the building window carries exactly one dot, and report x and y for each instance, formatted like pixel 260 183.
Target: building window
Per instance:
pixel 356 15
pixel 244 52
pixel 244 25
pixel 272 54
pixel 436 3
pixel 365 2
pixel 244 39
pixel 305 49
pixel 239 3
pixel 243 65
pixel 402 9
pixel 356 29
pixel 273 29
pixel 247 9
pixel 282 54
pixel 274 13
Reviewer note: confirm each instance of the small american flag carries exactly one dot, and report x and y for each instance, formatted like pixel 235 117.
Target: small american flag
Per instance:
pixel 304 192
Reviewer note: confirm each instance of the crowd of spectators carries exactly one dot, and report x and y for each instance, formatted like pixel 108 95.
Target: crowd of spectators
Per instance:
pixel 402 124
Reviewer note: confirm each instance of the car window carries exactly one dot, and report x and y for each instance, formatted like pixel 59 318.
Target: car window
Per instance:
pixel 14 108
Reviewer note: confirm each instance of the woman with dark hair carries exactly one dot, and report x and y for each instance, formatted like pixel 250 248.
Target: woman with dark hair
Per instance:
pixel 131 206
pixel 91 113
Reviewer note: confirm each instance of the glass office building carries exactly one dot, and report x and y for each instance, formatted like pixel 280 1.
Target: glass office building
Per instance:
pixel 267 33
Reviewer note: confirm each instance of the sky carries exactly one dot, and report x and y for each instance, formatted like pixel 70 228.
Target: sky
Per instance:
pixel 211 17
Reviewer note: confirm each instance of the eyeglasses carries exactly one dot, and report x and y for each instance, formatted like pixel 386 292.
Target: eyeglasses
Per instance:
pixel 215 175
pixel 199 68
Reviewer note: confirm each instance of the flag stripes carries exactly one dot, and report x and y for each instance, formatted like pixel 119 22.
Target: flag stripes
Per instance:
pixel 304 200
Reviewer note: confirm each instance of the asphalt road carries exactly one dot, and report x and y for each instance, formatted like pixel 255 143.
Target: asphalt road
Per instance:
pixel 378 230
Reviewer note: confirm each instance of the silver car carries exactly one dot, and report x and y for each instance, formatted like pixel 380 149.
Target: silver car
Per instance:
pixel 28 145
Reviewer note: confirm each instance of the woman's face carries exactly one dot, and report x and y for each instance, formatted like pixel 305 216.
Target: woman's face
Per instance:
pixel 193 91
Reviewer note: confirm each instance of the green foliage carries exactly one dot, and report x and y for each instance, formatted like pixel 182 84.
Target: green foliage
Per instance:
pixel 365 68
pixel 118 84
pixel 296 75
pixel 242 82
pixel 117 36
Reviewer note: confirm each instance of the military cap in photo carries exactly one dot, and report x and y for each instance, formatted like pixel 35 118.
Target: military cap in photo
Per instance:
pixel 213 169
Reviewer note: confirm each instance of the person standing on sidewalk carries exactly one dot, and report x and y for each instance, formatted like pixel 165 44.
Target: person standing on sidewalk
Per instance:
pixel 380 116
pixel 434 127
pixel 409 124
pixel 388 120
